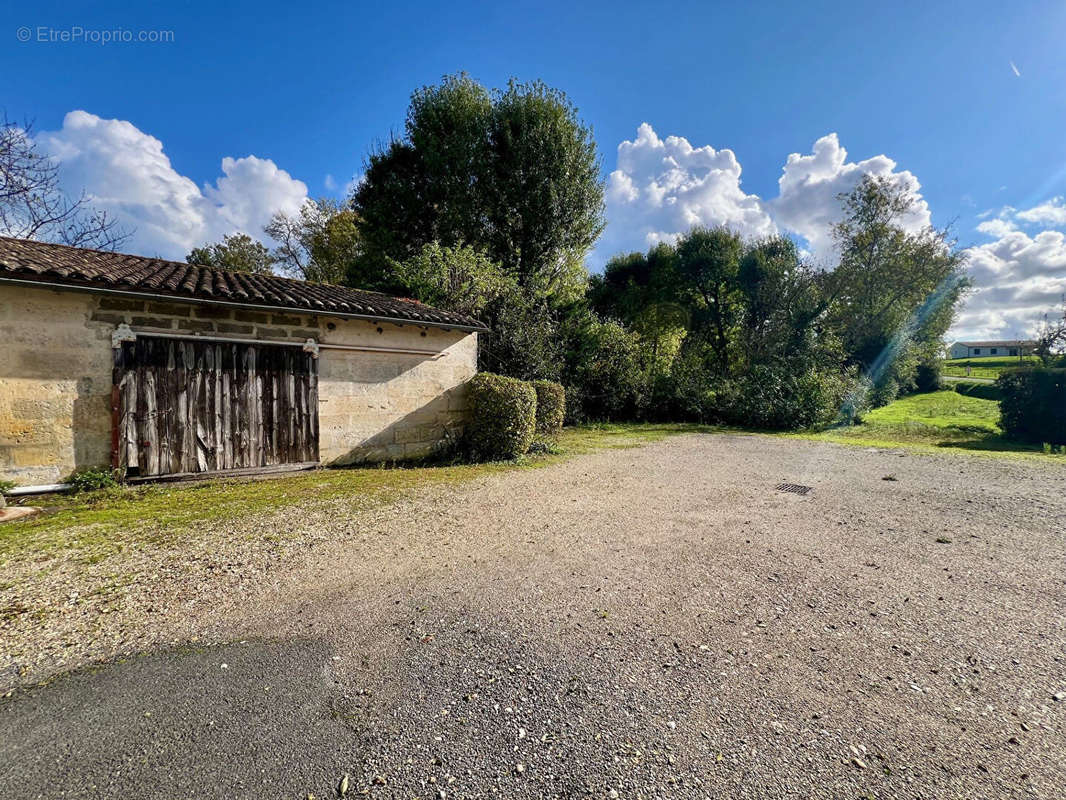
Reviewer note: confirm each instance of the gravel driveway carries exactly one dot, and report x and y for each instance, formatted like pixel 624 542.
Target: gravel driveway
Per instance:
pixel 655 622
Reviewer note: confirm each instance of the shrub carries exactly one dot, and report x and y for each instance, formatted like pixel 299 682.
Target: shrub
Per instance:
pixel 503 417
pixel 774 397
pixel 551 407
pixel 92 479
pixel 1033 404
pixel 927 377
pixel 605 379
pixel 986 391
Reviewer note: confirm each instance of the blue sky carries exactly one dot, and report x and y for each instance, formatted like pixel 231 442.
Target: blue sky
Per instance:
pixel 308 88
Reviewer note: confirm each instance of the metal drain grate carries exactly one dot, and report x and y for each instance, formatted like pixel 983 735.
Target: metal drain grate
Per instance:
pixel 795 488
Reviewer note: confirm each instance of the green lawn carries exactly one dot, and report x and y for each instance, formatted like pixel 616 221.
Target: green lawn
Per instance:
pixel 987 367
pixel 936 419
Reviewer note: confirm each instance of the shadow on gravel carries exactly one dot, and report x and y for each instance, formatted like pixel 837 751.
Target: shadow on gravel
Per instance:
pixel 241 720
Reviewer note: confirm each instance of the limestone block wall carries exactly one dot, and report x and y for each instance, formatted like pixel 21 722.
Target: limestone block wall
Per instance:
pixel 55 385
pixel 55 377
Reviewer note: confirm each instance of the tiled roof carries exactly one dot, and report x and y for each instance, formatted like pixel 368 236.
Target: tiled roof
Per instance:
pixel 999 343
pixel 78 267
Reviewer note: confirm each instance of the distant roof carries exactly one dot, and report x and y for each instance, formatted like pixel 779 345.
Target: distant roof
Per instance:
pixel 77 267
pixel 998 343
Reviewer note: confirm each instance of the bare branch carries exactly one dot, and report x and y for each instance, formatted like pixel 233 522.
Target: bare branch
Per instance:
pixel 33 204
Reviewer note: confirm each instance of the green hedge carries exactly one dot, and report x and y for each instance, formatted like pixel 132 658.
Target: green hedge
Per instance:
pixel 985 391
pixel 503 413
pixel 1033 406
pixel 551 407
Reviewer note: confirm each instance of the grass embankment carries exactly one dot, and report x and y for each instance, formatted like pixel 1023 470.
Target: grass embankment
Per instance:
pixel 989 367
pixel 93 526
pixel 934 419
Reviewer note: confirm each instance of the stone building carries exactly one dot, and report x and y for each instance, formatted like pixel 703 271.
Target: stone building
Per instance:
pixel 161 368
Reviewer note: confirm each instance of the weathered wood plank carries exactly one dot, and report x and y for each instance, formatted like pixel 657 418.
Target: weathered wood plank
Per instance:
pixel 187 406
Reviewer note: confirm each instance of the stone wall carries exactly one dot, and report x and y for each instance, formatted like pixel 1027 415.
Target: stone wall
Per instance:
pixel 55 377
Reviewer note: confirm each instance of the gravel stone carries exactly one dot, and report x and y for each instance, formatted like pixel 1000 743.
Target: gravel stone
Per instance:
pixel 591 603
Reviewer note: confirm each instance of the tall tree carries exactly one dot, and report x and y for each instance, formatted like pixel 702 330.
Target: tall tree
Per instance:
pixel 643 291
pixel 512 173
pixel 238 251
pixel 545 204
pixel 781 300
pixel 708 261
pixel 893 295
pixel 33 205
pixel 320 244
pixel 453 278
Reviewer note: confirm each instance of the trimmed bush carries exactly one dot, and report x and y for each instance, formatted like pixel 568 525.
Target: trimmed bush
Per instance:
pixel 551 407
pixel 1033 407
pixel 503 417
pixel 985 391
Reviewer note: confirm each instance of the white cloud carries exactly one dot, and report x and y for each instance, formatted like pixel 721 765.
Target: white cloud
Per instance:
pixel 810 186
pixel 662 188
pixel 126 172
pixel 996 227
pixel 1017 279
pixel 1053 212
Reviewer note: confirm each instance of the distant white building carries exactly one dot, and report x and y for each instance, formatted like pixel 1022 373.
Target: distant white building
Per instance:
pixel 1001 348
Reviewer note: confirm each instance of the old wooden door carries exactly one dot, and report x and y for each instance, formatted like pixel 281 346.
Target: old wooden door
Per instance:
pixel 187 406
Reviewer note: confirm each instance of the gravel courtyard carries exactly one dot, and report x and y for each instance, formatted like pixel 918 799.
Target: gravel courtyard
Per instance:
pixel 657 622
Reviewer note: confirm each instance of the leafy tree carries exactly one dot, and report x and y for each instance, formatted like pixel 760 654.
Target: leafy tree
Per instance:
pixel 642 292
pixel 708 261
pixel 893 295
pixel 320 244
pixel 525 341
pixel 453 278
pixel 33 204
pixel 545 208
pixel 605 378
pixel 238 251
pixel 780 300
pixel 512 173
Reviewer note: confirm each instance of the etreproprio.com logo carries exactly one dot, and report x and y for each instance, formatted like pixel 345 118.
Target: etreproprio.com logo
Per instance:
pixel 76 34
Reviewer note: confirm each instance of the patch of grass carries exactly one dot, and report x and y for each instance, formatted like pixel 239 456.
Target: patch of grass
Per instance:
pixel 933 419
pixel 987 367
pixel 948 410
pixel 95 525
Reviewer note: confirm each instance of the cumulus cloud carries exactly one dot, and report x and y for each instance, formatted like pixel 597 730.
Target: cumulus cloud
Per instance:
pixel 808 201
pixel 1053 212
pixel 126 172
pixel 663 187
pixel 660 188
pixel 996 227
pixel 1017 279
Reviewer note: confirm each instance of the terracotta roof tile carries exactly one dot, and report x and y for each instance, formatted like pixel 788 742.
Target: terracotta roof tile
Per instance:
pixel 78 267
